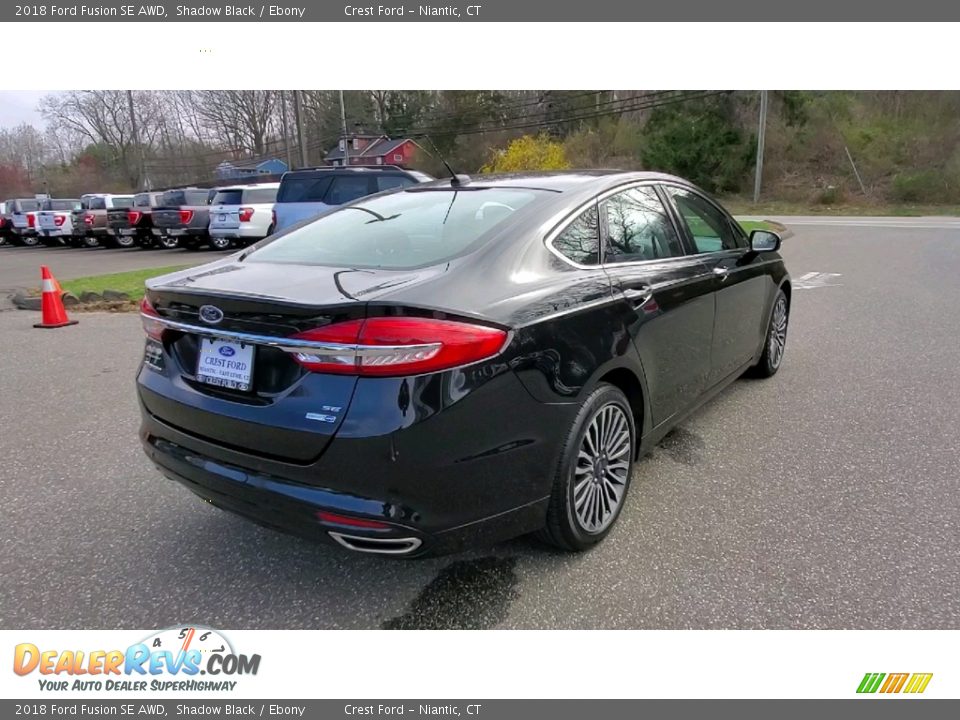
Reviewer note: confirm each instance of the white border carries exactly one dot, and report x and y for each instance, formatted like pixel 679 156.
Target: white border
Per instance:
pixel 399 55
pixel 539 664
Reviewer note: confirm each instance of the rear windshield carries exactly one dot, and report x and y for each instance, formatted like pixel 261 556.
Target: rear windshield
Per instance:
pixel 122 202
pixel 97 203
pixel 141 200
pixel 61 205
pixel 28 205
pixel 398 231
pixel 176 198
pixel 228 197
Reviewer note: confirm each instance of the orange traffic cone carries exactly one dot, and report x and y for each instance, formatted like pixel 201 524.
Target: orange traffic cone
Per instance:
pixel 54 314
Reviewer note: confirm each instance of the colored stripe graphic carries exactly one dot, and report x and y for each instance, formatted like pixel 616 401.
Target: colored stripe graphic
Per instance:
pixel 918 682
pixel 894 682
pixel 870 682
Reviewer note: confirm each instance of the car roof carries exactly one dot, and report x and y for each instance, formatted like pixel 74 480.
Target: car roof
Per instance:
pixel 366 169
pixel 558 181
pixel 251 186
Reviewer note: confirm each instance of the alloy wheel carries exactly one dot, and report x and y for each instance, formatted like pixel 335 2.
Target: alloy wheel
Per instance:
pixel 602 467
pixel 778 332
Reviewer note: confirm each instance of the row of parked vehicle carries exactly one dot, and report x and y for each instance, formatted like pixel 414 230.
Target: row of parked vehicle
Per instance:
pixel 193 217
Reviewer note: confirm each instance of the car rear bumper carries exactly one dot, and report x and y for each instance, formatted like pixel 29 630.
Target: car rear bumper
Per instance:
pixel 241 233
pixel 436 499
pixel 291 507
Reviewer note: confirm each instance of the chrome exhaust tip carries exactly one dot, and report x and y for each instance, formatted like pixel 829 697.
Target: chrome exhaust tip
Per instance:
pixel 377 546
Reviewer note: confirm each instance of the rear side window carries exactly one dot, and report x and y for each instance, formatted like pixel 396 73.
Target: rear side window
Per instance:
pixel 228 197
pixel 580 240
pixel 303 189
pixel 261 196
pixel 347 188
pixel 399 231
pixel 389 182
pixel 638 228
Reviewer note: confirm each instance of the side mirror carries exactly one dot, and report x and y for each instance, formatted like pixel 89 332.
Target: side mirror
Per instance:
pixel 764 241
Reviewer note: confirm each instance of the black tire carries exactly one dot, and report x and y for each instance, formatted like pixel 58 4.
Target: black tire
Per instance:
pixel 168 242
pixel 29 240
pixel 91 241
pixel 123 241
pixel 775 339
pixel 221 244
pixel 564 528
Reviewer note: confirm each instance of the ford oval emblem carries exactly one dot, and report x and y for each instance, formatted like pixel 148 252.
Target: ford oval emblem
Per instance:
pixel 227 351
pixel 211 314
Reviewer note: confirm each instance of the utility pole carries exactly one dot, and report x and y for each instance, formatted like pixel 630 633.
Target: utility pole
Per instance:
pixel 346 140
pixel 286 128
pixel 136 140
pixel 298 111
pixel 761 136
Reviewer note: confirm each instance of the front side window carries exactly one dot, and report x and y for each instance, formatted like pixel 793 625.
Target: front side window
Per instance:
pixel 638 228
pixel 580 240
pixel 710 229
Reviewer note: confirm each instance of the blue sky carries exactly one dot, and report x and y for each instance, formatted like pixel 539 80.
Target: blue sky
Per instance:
pixel 18 106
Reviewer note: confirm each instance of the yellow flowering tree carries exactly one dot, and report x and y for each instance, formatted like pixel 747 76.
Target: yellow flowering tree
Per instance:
pixel 529 152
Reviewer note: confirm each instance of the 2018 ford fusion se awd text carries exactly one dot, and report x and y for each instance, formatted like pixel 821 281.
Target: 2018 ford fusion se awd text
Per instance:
pixel 457 362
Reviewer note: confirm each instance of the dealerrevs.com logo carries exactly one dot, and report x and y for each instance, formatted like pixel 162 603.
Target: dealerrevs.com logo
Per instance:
pixel 909 683
pixel 178 659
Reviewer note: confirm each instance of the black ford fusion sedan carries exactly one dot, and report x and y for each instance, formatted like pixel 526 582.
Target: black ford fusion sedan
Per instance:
pixel 459 362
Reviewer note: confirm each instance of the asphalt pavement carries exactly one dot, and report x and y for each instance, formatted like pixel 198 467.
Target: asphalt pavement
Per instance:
pixel 826 497
pixel 20 266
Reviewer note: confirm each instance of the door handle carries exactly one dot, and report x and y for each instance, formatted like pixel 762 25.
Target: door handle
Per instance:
pixel 721 272
pixel 638 295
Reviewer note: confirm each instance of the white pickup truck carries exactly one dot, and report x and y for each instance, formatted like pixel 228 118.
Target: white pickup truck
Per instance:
pixel 242 215
pixel 55 221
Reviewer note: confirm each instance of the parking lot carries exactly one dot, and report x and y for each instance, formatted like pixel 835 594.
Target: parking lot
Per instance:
pixel 827 497
pixel 20 266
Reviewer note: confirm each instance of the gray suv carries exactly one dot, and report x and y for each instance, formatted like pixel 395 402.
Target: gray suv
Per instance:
pixel 304 194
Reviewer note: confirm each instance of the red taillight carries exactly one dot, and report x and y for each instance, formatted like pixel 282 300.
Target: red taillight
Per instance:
pixel 88 219
pixel 329 517
pixel 133 216
pixel 31 219
pixel 246 214
pixel 273 218
pixel 151 320
pixel 186 216
pixel 58 220
pixel 385 346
